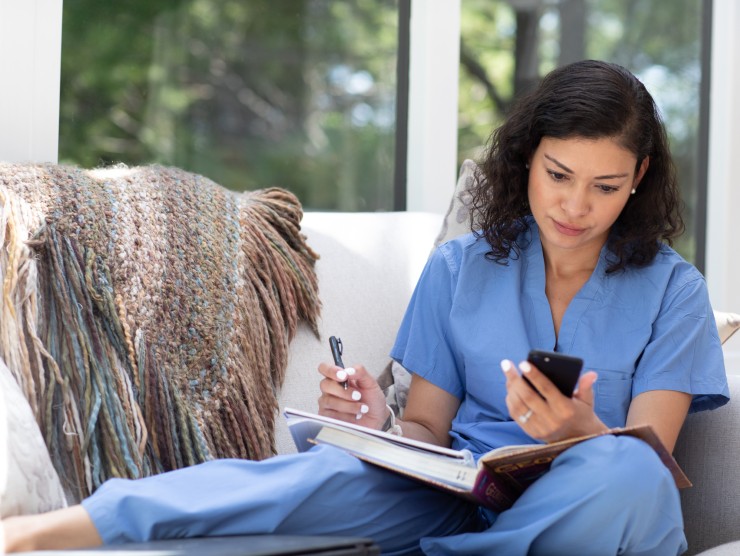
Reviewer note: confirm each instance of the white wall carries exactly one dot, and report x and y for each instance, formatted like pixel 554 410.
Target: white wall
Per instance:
pixel 723 212
pixel 30 61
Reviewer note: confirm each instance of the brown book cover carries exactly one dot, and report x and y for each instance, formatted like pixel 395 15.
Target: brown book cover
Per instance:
pixel 504 475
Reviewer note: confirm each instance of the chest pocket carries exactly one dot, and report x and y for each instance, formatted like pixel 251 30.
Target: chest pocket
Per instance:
pixel 612 397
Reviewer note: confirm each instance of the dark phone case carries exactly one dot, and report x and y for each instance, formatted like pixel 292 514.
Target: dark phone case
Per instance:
pixel 562 370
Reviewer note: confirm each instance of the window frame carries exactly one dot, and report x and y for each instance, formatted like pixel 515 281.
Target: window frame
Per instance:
pixel 30 58
pixel 433 98
pixel 723 195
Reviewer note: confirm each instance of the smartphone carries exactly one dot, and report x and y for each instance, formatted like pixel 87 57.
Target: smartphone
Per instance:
pixel 562 370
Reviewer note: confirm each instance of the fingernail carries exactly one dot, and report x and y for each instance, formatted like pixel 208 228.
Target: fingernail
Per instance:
pixel 364 409
pixel 356 395
pixel 506 365
pixel 525 367
pixel 358 416
pixel 342 375
pixel 350 370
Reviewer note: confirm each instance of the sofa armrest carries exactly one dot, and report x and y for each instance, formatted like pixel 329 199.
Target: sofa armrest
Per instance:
pixel 707 451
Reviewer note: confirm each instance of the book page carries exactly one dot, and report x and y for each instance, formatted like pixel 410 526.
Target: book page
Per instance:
pixel 450 471
pixel 304 425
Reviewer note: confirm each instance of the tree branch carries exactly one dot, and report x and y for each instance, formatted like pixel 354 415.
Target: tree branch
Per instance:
pixel 477 71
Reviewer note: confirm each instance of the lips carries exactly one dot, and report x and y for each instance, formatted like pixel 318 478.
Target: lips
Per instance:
pixel 568 229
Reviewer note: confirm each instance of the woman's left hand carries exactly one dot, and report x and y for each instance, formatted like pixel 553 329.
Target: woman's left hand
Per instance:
pixel 549 415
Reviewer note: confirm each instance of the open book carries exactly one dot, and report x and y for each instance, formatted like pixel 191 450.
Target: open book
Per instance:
pixel 496 480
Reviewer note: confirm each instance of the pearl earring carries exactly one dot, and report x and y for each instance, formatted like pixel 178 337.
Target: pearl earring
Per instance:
pixel 633 191
pixel 526 166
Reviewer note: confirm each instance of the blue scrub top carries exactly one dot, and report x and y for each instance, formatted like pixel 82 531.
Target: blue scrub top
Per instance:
pixel 640 329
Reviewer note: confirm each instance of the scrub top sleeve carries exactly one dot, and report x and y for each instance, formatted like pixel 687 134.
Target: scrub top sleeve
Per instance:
pixel 425 344
pixel 684 352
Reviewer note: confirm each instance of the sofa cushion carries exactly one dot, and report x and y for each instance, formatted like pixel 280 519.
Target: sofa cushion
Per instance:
pixel 458 218
pixel 28 481
pixel 168 306
pixel 369 264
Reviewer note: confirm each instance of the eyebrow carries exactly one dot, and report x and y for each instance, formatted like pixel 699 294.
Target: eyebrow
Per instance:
pixel 564 167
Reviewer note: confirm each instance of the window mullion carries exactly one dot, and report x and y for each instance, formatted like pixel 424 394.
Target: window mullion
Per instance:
pixel 433 96
pixel 30 58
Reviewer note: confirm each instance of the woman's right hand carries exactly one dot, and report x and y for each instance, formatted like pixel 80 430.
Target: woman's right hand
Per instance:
pixel 543 411
pixel 362 403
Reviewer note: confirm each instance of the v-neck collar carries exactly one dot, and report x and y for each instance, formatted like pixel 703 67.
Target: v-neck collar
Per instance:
pixel 534 288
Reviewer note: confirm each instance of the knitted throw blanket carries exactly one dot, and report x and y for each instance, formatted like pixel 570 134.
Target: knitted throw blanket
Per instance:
pixel 146 314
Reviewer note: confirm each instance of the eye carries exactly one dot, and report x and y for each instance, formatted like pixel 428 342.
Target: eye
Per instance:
pixel 557 176
pixel 606 188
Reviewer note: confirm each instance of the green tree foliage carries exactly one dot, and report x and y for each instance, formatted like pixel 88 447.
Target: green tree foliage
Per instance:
pixel 295 93
pixel 301 93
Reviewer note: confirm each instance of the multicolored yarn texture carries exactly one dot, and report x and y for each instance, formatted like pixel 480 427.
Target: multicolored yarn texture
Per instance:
pixel 146 314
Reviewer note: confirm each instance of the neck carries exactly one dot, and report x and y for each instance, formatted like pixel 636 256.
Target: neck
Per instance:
pixel 561 263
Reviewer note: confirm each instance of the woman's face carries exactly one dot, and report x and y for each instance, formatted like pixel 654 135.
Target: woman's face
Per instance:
pixel 578 187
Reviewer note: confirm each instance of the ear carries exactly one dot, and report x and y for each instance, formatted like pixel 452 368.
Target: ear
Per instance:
pixel 641 172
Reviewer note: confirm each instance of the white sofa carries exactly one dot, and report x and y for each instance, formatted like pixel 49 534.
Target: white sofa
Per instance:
pixel 369 264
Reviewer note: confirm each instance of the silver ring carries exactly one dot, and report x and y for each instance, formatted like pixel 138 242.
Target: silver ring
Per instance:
pixel 524 418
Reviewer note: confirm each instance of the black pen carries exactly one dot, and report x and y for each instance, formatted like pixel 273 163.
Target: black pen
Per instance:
pixel 336 352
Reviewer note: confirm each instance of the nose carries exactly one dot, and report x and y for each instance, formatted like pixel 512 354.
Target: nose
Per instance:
pixel 575 202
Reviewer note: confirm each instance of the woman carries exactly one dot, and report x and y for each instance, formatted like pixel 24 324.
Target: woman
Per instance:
pixel 576 196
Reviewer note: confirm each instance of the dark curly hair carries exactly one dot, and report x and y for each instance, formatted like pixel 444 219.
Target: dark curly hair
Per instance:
pixel 588 99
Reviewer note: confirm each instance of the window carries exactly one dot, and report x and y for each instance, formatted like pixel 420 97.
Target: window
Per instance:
pixel 670 36
pixel 507 46
pixel 299 94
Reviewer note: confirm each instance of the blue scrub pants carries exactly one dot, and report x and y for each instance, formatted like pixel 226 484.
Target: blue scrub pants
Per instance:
pixel 609 495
